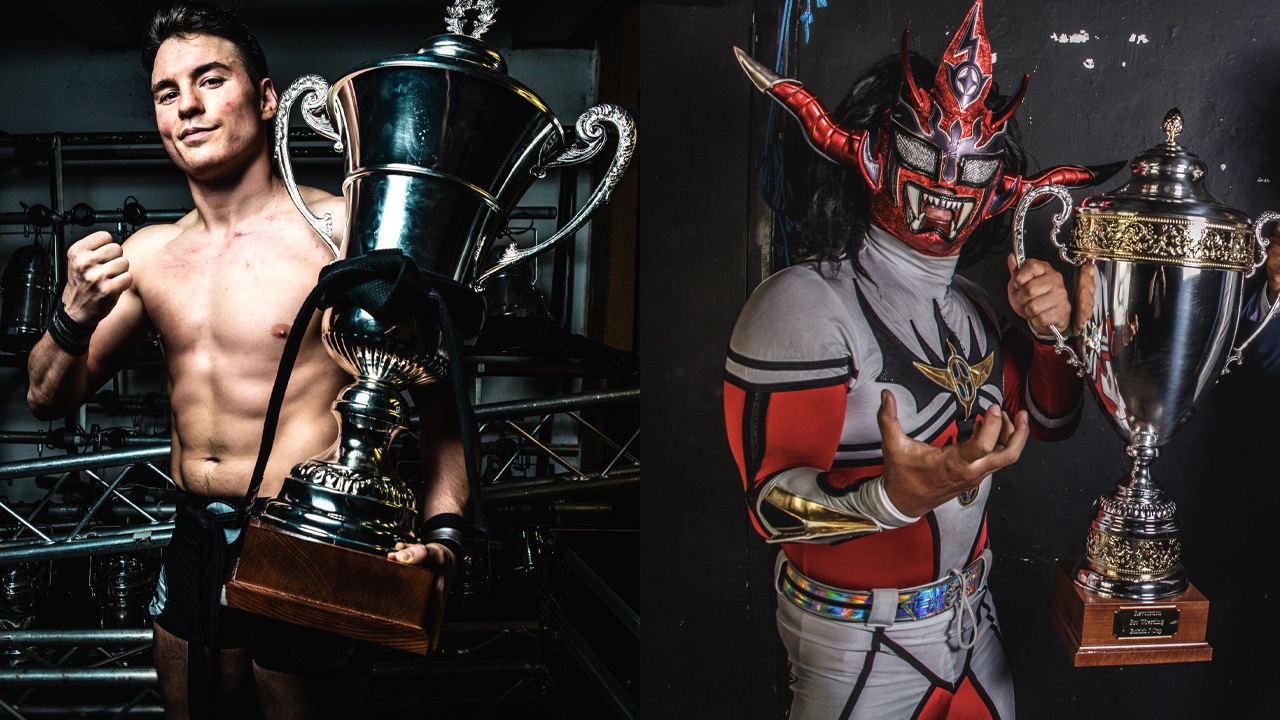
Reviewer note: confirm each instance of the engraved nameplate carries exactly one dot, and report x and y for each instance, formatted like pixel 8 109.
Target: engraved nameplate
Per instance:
pixel 1145 622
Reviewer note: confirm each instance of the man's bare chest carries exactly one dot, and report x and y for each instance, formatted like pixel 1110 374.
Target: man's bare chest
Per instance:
pixel 233 295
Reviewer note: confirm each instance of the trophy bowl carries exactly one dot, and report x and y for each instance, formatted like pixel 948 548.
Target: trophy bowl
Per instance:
pixel 439 145
pixel 1171 264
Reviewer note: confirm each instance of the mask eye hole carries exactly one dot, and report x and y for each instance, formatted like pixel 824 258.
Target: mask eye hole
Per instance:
pixel 978 171
pixel 917 154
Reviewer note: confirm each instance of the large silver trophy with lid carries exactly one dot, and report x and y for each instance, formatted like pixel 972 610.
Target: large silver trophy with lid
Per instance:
pixel 1171 263
pixel 439 145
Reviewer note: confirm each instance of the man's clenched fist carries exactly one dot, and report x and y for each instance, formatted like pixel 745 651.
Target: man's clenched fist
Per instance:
pixel 97 275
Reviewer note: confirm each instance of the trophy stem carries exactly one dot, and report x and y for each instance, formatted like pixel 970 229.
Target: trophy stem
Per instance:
pixel 346 496
pixel 1134 544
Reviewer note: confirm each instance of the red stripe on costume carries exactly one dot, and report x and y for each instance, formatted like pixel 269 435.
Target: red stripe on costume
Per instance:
pixel 982 540
pixel 735 399
pixel 936 707
pixel 803 429
pixel 968 704
pixel 1054 383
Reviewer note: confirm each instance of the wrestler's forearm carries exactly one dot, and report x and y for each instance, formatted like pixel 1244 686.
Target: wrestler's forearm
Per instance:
pixel 444 472
pixel 59 381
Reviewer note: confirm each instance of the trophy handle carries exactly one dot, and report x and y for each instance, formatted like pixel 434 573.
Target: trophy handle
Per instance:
pixel 314 91
pixel 1020 251
pixel 1262 221
pixel 590 128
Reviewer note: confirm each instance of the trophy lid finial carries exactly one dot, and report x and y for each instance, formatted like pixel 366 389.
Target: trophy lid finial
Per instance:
pixel 456 16
pixel 1172 125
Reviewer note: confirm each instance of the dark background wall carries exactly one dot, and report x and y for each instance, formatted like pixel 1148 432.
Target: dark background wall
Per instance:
pixel 710 645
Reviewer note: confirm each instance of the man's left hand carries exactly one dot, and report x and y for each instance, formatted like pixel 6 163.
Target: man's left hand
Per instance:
pixel 1038 295
pixel 441 561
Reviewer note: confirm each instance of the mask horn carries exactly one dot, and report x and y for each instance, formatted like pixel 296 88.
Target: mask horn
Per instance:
pixel 918 98
pixel 1001 116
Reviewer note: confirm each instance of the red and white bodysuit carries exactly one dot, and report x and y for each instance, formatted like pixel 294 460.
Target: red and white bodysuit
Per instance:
pixel 811 352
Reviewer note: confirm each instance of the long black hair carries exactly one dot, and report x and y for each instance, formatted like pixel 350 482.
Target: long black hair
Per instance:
pixel 840 209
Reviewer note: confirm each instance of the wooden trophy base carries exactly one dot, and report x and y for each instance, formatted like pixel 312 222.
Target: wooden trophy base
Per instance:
pixel 348 592
pixel 1100 630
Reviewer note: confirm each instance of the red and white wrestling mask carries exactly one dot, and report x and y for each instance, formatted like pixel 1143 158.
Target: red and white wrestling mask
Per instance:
pixel 934 166
pixel 940 151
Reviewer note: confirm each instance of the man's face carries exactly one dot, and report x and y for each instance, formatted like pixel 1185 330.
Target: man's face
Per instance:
pixel 210 114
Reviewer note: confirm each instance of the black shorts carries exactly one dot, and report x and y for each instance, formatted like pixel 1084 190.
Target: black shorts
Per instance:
pixel 274 644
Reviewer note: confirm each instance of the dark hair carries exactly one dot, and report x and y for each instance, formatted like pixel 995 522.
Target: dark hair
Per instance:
pixel 840 209
pixel 185 19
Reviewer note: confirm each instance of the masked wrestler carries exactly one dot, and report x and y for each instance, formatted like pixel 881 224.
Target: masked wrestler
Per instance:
pixel 221 287
pixel 870 393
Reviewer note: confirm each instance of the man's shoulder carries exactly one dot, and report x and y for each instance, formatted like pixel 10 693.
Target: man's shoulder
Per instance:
pixel 321 202
pixel 151 238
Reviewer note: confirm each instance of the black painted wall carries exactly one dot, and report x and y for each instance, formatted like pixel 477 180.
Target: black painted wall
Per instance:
pixel 710 647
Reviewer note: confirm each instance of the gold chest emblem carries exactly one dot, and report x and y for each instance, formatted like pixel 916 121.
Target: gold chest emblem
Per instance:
pixel 959 377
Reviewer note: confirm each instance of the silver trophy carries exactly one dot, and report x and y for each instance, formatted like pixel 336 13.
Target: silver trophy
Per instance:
pixel 1171 263
pixel 439 146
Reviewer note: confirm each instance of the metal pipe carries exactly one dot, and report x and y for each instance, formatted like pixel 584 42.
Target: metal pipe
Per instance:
pixel 89 709
pixel 539 406
pixel 100 217
pixel 581 651
pixel 621 451
pixel 153 536
pixel 72 463
pixel 78 676
pixel 607 594
pixel 142 636
pixel 78 636
pixel 557 486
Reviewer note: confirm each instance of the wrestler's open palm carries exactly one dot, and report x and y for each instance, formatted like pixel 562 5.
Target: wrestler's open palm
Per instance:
pixel 442 562
pixel 919 477
pixel 97 275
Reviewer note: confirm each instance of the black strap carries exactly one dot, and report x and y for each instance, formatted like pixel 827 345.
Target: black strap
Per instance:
pixel 211 552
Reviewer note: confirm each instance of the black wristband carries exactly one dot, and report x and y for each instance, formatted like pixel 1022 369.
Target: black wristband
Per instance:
pixel 454 546
pixel 443 520
pixel 444 529
pixel 71 336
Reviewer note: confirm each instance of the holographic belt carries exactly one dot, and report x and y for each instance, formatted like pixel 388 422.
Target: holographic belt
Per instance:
pixel 855 605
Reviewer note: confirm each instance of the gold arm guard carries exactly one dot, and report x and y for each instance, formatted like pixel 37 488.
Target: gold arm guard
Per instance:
pixel 817 521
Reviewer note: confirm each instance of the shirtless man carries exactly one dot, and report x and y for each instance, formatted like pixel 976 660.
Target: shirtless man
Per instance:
pixel 221 288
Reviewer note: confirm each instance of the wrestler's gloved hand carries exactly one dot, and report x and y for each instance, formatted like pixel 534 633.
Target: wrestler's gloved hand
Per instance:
pixel 1273 265
pixel 1039 296
pixel 919 477
pixel 440 560
pixel 97 275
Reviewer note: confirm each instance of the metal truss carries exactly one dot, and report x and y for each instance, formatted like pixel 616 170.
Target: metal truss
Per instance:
pixel 619 466
pixel 99 530
pixel 109 673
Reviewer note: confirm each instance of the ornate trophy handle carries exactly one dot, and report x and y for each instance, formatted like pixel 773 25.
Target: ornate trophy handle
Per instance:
pixel 1020 251
pixel 590 128
pixel 314 91
pixel 1259 223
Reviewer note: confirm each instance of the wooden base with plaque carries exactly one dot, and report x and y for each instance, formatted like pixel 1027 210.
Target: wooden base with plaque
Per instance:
pixel 330 588
pixel 1100 630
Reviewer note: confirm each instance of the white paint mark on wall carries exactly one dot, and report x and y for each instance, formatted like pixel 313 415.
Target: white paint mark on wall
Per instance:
pixel 1077 37
pixel 1139 39
pixel 1264 180
pixel 1124 64
pixel 1223 166
pixel 1088 62
pixel 994 58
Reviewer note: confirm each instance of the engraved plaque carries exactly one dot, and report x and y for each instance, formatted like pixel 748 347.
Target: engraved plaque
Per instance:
pixel 1145 622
